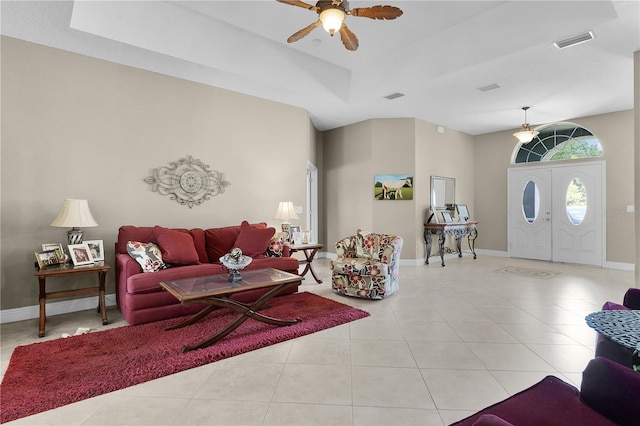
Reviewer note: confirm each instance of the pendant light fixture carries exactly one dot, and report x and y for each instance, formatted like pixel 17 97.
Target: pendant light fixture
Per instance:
pixel 526 135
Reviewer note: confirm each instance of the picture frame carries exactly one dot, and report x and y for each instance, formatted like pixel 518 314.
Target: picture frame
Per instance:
pixel 393 187
pixel 463 212
pixel 47 258
pixel 296 236
pixel 96 247
pixel 80 254
pixel 54 246
pixel 306 237
pixel 446 216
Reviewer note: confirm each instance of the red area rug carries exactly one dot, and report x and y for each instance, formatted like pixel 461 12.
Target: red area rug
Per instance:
pixel 46 375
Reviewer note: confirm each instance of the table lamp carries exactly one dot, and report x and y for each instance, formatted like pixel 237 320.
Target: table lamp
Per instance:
pixel 285 212
pixel 76 214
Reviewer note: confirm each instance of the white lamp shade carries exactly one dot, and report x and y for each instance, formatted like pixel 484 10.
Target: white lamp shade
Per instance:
pixel 526 136
pixel 75 214
pixel 286 211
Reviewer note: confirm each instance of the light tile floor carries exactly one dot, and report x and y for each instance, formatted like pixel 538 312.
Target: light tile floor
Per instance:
pixel 451 341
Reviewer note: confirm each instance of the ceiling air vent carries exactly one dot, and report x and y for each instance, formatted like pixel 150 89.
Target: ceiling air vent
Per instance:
pixel 489 87
pixel 394 96
pixel 576 39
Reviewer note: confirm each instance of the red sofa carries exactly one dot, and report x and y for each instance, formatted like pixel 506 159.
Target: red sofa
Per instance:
pixel 189 253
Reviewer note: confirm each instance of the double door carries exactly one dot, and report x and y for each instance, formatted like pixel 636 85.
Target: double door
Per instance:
pixel 557 213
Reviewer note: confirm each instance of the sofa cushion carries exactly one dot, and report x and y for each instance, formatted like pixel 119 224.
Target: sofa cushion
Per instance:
pixel 613 306
pixel 632 298
pixel 177 246
pixel 220 241
pixel 491 420
pixel 287 264
pixel 148 255
pixel 146 283
pixel 128 233
pixel 253 241
pixel 368 245
pixel 198 241
pixel 359 266
pixel 613 390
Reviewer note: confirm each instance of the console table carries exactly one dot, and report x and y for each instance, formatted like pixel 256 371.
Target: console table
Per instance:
pixel 455 229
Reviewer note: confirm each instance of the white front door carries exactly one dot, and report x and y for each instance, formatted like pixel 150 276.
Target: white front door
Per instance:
pixel 577 228
pixel 529 215
pixel 556 213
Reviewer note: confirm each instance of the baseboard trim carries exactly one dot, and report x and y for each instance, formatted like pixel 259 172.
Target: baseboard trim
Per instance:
pixel 620 265
pixel 54 308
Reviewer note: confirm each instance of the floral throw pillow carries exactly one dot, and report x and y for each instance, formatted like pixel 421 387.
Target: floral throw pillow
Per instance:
pixel 148 255
pixel 368 245
pixel 276 245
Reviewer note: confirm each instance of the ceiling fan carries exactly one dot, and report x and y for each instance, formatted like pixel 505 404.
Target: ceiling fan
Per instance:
pixel 332 14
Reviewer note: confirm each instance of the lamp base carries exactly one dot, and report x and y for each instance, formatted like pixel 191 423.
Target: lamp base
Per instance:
pixel 75 235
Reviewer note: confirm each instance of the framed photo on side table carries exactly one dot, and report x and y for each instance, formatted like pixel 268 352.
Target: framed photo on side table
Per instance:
pixel 296 237
pixel 47 258
pixel 96 247
pixel 463 212
pixel 446 216
pixel 54 246
pixel 80 254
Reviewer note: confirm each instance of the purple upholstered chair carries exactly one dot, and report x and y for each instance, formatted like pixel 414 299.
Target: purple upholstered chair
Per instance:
pixel 609 395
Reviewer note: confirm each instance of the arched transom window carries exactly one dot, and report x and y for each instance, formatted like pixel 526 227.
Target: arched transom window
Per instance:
pixel 559 141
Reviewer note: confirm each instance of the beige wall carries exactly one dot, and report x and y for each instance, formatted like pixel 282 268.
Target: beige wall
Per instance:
pixel 77 127
pixel 615 132
pixel 354 154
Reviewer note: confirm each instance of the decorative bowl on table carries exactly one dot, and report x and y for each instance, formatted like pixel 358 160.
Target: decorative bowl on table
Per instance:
pixel 234 262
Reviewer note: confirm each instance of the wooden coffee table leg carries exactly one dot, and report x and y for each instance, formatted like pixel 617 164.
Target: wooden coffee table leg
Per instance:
pixel 203 313
pixel 246 313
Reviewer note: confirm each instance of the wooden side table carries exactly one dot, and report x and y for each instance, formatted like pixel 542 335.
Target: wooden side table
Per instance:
pixel 309 251
pixel 69 269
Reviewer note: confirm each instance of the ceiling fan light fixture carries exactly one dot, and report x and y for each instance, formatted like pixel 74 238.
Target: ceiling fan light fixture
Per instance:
pixel 332 19
pixel 526 135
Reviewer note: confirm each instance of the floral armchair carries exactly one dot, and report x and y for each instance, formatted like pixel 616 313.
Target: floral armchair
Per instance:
pixel 367 265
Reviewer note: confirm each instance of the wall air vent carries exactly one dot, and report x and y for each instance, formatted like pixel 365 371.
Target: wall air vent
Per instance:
pixel 576 39
pixel 394 96
pixel 489 87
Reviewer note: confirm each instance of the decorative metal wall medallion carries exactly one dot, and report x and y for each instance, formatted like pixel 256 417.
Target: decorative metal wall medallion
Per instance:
pixel 188 181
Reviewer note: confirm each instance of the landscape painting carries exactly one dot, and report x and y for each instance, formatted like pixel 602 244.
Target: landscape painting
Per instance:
pixel 393 187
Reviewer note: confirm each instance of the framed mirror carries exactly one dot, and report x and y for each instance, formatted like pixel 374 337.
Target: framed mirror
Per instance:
pixel 443 193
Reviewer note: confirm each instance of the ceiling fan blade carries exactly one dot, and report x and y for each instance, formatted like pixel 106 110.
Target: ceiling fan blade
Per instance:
pixel 376 12
pixel 303 32
pixel 299 4
pixel 348 38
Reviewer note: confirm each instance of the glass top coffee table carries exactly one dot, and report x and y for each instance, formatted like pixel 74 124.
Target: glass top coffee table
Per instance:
pixel 215 291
